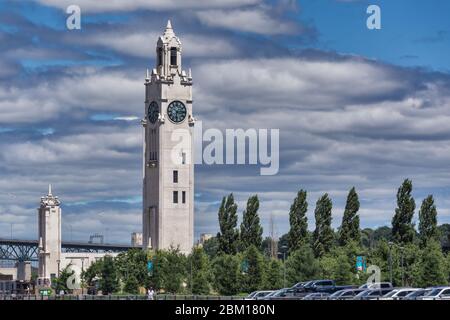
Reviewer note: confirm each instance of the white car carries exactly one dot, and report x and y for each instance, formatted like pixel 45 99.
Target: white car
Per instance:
pixel 398 294
pixel 258 295
pixel 438 293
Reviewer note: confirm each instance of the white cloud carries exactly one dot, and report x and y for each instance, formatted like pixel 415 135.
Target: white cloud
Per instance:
pixel 85 89
pixel 249 20
pixel 143 45
pixel 130 5
pixel 294 83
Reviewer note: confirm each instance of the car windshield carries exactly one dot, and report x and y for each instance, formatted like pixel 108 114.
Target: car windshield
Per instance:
pixel 251 295
pixel 271 294
pixel 262 294
pixel 404 293
pixel 390 294
pixel 416 293
pixel 433 292
pixel 338 293
pixel 364 293
pixel 300 284
pixel 311 295
pixel 279 293
pixel 308 284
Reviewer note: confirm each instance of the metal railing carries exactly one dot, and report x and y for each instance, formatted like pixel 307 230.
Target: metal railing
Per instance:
pixel 115 297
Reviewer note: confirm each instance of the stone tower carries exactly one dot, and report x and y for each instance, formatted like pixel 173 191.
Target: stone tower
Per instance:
pixel 49 221
pixel 168 164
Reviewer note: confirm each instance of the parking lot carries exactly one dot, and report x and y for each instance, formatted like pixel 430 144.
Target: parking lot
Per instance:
pixel 328 290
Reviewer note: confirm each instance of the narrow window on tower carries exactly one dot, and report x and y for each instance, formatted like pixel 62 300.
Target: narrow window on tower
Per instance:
pixel 175 197
pixel 175 176
pixel 183 158
pixel 183 197
pixel 173 56
pixel 160 56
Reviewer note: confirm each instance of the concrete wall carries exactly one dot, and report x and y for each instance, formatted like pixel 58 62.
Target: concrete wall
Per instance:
pixel 9 272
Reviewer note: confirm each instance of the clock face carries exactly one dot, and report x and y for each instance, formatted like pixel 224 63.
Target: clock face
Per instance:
pixel 176 111
pixel 153 112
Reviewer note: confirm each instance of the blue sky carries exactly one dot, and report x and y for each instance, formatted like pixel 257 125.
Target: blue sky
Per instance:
pixel 414 33
pixel 355 107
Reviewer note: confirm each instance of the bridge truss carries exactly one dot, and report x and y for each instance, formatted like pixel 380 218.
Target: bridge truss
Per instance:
pixel 27 250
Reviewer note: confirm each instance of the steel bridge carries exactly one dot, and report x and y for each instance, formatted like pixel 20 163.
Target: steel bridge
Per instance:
pixel 27 250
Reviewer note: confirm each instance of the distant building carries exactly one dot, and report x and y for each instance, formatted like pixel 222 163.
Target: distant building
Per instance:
pixel 204 237
pixel 51 258
pixel 136 239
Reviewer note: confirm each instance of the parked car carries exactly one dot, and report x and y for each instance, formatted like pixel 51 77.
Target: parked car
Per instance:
pixel 439 293
pixel 377 285
pixel 300 285
pixel 327 286
pixel 417 295
pixel 372 294
pixel 282 294
pixel 345 294
pixel 316 296
pixel 398 294
pixel 255 295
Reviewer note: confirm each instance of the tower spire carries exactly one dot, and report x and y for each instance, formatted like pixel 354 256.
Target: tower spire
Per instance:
pixel 50 189
pixel 168 33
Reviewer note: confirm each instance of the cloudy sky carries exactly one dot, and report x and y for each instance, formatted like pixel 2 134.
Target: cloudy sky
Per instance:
pixel 355 107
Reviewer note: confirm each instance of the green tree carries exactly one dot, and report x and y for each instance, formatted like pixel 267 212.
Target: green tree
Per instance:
pixel 301 265
pixel 444 231
pixel 226 270
pixel 402 226
pixel 251 230
pixel 61 281
pixel 349 230
pixel 343 274
pixel 410 258
pixel 200 276
pixel 428 229
pixel 228 236
pixel 328 266
pixel 169 270
pixel 274 277
pixel 131 285
pixel 323 236
pixel 253 276
pixel 298 232
pixel 434 271
pixel 92 273
pixel 109 281
pixel 132 269
pixel 211 247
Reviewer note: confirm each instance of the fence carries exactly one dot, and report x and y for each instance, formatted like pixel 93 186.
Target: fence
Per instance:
pixel 115 297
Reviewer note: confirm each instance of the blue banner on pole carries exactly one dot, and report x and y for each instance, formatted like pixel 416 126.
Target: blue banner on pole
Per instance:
pixel 149 266
pixel 361 263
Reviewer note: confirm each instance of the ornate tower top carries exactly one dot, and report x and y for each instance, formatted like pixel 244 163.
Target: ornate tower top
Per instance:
pixel 49 200
pixel 168 55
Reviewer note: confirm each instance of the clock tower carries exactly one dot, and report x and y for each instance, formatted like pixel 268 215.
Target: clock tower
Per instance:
pixel 168 166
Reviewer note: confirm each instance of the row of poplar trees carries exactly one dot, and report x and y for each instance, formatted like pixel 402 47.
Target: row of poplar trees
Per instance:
pixel 232 240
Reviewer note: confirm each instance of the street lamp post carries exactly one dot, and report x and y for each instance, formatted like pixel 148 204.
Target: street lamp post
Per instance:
pixel 390 261
pixel 82 270
pixel 191 279
pixel 284 264
pixel 403 269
